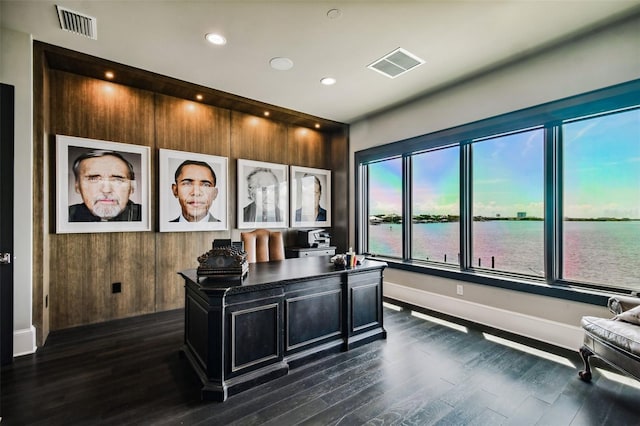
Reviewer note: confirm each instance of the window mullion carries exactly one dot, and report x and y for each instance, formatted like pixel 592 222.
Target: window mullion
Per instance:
pixel 558 212
pixel 407 185
pixel 466 220
pixel 362 208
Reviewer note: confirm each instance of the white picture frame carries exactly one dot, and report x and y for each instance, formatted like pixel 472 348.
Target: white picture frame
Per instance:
pixel 310 197
pixel 266 203
pixel 73 196
pixel 176 197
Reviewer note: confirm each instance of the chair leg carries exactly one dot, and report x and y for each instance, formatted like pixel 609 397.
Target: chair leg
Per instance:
pixel 585 374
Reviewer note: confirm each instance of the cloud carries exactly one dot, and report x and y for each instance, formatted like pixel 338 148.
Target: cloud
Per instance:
pixel 582 132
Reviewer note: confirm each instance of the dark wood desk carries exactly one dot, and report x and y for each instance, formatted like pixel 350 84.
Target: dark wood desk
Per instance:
pixel 282 315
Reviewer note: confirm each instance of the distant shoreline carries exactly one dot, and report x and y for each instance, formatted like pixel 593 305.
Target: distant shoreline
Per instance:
pixel 394 218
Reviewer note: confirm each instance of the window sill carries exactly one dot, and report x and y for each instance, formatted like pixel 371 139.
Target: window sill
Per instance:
pixel 564 291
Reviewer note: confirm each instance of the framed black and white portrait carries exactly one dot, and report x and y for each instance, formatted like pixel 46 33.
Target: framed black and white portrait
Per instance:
pixel 193 192
pixel 263 197
pixel 310 197
pixel 101 186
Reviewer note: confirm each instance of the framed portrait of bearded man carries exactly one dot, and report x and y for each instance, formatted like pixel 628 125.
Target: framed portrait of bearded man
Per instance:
pixel 101 186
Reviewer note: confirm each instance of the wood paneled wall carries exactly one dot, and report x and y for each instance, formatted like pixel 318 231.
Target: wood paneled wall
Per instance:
pixel 78 269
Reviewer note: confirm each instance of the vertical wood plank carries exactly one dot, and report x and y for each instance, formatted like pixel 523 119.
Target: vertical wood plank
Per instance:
pixel 90 108
pixel 81 268
pixel 79 277
pixel 134 268
pixel 40 251
pixel 191 126
pixel 258 139
pixel 184 125
pixel 177 251
pixel 308 148
pixel 339 164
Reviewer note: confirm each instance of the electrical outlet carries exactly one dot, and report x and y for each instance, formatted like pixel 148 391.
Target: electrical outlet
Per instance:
pixel 116 287
pixel 459 290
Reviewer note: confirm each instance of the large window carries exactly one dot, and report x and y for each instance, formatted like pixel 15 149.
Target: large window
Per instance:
pixel 508 203
pixel 547 197
pixel 601 228
pixel 436 205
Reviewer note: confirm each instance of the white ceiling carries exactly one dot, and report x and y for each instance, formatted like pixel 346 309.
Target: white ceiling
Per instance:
pixel 457 39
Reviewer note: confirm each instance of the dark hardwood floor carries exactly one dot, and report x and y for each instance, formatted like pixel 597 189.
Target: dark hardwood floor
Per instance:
pixel 129 372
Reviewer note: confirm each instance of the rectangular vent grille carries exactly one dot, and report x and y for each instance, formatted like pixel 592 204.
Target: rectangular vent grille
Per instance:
pixel 77 23
pixel 396 63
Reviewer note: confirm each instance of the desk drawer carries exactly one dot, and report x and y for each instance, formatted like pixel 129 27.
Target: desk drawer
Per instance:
pixel 302 252
pixel 329 252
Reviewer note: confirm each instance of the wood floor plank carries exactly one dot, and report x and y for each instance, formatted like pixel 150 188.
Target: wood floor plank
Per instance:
pixel 432 412
pixel 468 409
pixel 528 413
pixel 562 411
pixel 400 403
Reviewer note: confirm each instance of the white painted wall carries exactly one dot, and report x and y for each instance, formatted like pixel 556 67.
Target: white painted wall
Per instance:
pixel 601 59
pixel 16 69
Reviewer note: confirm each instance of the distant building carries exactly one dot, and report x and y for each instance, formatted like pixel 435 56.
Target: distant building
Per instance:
pixel 522 215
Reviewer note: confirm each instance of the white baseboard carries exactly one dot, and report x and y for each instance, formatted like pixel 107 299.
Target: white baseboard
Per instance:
pixel 541 329
pixel 24 341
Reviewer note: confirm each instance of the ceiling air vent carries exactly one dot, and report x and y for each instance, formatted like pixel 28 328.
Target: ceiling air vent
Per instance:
pixel 77 23
pixel 396 63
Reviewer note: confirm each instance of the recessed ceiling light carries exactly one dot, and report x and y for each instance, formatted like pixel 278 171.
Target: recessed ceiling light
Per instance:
pixel 281 64
pixel 199 97
pixel 328 81
pixel 109 75
pixel 216 39
pixel 317 126
pixel 267 113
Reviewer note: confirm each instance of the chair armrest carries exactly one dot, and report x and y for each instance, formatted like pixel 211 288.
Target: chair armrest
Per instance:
pixel 619 304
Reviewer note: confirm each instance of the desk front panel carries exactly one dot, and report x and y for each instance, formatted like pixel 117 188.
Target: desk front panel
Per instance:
pixel 364 322
pixel 314 314
pixel 253 327
pixel 203 332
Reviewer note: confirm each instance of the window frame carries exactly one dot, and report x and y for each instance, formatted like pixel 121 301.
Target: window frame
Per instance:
pixel 549 116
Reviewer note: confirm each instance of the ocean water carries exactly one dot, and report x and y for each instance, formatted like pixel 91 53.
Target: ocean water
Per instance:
pixel 596 252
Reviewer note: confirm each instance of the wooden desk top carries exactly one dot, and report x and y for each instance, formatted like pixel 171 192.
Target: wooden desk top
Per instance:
pixel 277 273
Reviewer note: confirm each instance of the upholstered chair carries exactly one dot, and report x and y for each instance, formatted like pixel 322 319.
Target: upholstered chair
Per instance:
pixel 263 245
pixel 616 340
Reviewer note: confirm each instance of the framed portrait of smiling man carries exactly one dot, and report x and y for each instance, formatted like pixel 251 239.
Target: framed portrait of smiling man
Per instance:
pixel 193 192
pixel 101 186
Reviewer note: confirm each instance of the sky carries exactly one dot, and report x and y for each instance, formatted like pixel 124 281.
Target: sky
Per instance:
pixel 385 186
pixel 602 166
pixel 601 173
pixel 508 175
